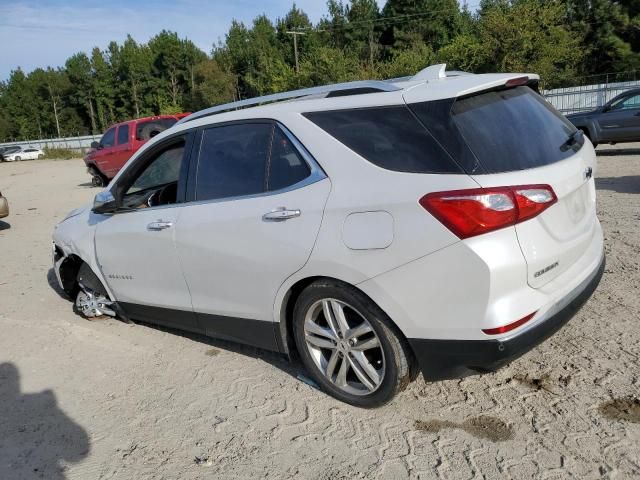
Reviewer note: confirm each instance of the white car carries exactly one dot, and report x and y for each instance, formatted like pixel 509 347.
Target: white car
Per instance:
pixel 23 153
pixel 443 224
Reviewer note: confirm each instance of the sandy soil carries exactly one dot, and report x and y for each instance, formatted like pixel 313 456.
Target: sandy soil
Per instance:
pixel 103 399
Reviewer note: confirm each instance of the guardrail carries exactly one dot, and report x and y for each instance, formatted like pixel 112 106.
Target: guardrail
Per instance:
pixel 79 144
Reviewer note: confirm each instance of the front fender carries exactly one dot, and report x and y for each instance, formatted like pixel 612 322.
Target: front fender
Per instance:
pixel 75 238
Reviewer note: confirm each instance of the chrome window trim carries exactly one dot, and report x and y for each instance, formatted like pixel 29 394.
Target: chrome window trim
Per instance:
pixel 316 172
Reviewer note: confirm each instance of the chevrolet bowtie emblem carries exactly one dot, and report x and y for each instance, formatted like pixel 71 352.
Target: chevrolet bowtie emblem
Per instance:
pixel 588 173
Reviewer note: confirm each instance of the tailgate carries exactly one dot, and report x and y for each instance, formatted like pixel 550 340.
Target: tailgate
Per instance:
pixel 559 236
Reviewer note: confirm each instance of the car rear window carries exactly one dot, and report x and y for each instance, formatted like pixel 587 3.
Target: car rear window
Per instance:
pixel 149 129
pixel 389 137
pixel 506 130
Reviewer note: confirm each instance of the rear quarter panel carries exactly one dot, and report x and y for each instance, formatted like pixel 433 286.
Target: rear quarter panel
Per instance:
pixel 359 186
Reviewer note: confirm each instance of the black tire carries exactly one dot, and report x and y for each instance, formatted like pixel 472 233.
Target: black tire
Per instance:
pixel 97 178
pixel 18 159
pixel 97 181
pixel 397 356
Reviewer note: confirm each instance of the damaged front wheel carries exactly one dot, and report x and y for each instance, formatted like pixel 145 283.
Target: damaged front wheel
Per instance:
pixel 92 300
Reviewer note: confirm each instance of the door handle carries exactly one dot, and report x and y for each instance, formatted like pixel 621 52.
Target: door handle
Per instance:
pixel 280 214
pixel 159 225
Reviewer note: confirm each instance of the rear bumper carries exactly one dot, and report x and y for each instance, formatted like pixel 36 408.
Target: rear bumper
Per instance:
pixel 444 359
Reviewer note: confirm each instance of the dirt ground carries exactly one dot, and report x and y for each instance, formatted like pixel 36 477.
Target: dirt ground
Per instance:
pixel 106 400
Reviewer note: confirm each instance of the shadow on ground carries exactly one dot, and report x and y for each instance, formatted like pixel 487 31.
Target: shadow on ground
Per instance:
pixel 4 225
pixel 36 436
pixel 293 368
pixel 53 283
pixel 628 184
pixel 275 359
pixel 615 152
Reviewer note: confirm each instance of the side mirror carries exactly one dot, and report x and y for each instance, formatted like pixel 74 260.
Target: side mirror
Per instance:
pixel 104 202
pixel 96 145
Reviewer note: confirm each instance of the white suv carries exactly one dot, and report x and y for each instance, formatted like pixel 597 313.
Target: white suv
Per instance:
pixel 443 223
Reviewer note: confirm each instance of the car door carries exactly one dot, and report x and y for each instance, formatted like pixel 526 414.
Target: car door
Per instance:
pixel 621 123
pixel 105 151
pixel 135 246
pixel 257 204
pixel 121 149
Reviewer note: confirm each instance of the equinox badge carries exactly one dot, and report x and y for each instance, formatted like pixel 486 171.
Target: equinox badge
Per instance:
pixel 545 270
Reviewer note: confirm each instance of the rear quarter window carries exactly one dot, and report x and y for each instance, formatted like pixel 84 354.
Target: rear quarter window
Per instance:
pixel 389 137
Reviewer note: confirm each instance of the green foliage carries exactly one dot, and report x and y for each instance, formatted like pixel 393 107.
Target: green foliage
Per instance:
pixel 61 153
pixel 562 40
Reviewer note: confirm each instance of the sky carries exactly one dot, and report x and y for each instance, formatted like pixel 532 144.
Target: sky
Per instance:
pixel 45 33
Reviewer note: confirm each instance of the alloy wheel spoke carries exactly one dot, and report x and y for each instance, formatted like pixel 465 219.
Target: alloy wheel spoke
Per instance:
pixel 373 342
pixel 358 331
pixel 312 327
pixel 331 365
pixel 362 376
pixel 320 342
pixel 363 362
pixel 330 317
pixel 341 320
pixel 341 379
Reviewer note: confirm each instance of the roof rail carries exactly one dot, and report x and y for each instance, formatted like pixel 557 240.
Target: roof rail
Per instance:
pixel 335 90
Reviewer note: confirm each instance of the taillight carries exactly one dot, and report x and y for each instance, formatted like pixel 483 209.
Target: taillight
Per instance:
pixel 480 210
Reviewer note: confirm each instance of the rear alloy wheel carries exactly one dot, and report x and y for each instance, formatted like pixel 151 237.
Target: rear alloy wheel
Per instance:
pixel 348 345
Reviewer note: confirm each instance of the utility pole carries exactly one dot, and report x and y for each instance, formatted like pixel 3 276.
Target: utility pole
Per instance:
pixel 295 46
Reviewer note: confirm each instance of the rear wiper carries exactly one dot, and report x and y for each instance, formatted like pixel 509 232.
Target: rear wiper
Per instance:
pixel 574 138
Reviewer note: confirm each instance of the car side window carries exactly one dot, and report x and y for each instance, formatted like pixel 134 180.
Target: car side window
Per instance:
pixel 157 183
pixel 286 165
pixel 123 134
pixel 627 103
pixel 108 139
pixel 233 161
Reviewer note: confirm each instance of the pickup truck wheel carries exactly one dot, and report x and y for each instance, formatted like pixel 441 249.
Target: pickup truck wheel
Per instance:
pixel 349 346
pixel 97 181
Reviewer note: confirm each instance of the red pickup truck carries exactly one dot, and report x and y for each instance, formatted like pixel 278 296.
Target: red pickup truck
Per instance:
pixel 120 142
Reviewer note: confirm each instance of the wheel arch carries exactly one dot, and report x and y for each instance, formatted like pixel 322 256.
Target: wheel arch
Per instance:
pixel 285 322
pixel 68 271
